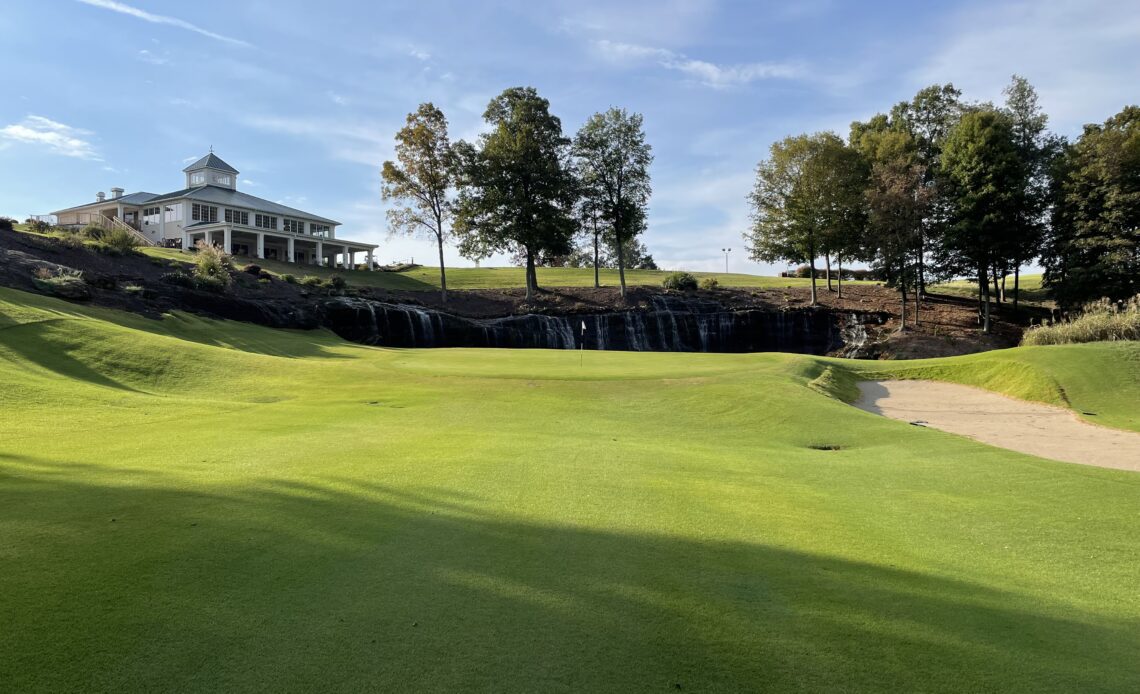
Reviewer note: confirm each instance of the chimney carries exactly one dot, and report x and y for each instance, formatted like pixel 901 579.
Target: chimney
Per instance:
pixel 116 193
pixel 100 196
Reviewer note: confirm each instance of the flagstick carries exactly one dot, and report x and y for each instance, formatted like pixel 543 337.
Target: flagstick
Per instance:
pixel 582 347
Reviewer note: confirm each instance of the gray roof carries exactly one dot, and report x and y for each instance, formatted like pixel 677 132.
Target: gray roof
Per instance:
pixel 234 198
pixel 211 161
pixel 132 199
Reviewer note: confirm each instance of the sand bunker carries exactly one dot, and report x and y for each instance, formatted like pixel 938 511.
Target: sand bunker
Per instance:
pixel 1041 430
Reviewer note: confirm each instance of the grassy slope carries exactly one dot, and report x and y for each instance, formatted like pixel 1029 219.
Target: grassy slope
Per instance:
pixel 203 506
pixel 427 278
pixel 1032 291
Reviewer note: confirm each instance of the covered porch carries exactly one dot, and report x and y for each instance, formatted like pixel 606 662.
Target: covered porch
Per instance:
pixel 281 246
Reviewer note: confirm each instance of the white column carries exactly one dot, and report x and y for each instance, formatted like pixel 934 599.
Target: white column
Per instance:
pixel 206 238
pixel 320 253
pixel 289 253
pixel 260 245
pixel 370 268
pixel 347 259
pixel 227 239
pixel 186 240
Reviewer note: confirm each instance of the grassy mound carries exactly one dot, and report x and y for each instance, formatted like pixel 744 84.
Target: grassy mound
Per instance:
pixel 198 505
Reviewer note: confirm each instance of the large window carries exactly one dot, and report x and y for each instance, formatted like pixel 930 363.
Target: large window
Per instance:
pixel 319 230
pixel 294 227
pixel 197 179
pixel 222 179
pixel 150 215
pixel 264 221
pixel 237 217
pixel 203 213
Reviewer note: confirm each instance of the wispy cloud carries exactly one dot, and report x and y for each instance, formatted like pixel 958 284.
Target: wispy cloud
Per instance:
pixel 419 54
pixel 123 8
pixel 701 71
pixel 56 137
pixel 349 140
pixel 152 58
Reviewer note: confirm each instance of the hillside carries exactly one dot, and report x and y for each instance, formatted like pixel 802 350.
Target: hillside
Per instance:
pixel 230 507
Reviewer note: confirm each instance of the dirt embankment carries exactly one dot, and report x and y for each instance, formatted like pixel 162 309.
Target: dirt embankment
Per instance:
pixel 947 325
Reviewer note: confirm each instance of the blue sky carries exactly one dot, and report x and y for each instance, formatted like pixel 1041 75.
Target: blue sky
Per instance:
pixel 304 98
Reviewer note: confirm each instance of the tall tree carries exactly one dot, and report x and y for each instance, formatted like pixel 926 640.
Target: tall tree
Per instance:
pixel 984 179
pixel 613 162
pixel 593 226
pixel 1036 148
pixel 928 118
pixel 809 191
pixel 517 190
pixel 421 178
pixel 1094 249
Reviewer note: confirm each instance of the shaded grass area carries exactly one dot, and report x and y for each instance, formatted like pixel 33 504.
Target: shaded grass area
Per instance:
pixel 1032 290
pixel 199 505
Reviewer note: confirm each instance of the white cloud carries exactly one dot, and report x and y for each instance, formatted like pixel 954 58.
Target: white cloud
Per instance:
pixel 419 54
pixel 56 137
pixel 355 141
pixel 247 182
pixel 160 19
pixel 1079 54
pixel 701 71
pixel 657 22
pixel 337 99
pixel 148 57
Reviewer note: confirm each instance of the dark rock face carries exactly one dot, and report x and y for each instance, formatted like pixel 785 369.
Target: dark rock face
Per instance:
pixel 671 324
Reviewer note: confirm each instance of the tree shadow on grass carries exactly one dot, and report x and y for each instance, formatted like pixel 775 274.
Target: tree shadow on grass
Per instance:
pixel 340 586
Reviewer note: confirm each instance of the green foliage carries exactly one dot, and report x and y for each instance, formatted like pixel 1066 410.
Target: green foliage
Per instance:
pixel 312 281
pixel 709 283
pixel 613 161
pixel 682 281
pixel 1099 321
pixel 38 225
pixel 421 180
pixel 289 279
pixel 134 289
pixel 7 224
pixel 516 188
pixel 179 278
pixel 212 267
pixel 93 232
pixel 116 242
pixel 64 283
pixel 1094 247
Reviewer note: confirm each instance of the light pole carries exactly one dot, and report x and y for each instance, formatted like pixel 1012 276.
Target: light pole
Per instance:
pixel 726 251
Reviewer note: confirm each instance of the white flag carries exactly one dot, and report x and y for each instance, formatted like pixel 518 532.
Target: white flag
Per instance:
pixel 583 327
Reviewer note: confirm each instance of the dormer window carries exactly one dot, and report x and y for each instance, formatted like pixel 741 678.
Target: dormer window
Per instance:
pixel 223 179
pixel 197 179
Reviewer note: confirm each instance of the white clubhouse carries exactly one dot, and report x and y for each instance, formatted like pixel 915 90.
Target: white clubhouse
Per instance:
pixel 211 210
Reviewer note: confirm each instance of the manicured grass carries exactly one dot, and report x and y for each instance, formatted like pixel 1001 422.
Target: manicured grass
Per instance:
pixel 426 278
pixel 193 505
pixel 1032 291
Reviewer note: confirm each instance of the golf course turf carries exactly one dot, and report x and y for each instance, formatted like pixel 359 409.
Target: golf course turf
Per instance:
pixel 197 505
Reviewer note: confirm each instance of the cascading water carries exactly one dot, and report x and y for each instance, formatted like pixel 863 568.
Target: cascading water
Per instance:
pixel 669 323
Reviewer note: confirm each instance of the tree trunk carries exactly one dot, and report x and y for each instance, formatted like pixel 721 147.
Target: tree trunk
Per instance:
pixel 984 294
pixel 1003 276
pixel 920 286
pixel 597 281
pixel 531 276
pixel 997 288
pixel 621 266
pixel 902 302
pixel 827 260
pixel 1016 285
pixel 811 264
pixel 442 273
pixel 839 279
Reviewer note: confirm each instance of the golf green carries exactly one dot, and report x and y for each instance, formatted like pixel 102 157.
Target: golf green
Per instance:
pixel 196 505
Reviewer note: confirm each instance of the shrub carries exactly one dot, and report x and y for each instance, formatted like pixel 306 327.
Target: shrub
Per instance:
pixel 67 239
pixel 311 281
pixel 7 224
pixel 709 283
pixel 337 283
pixel 289 279
pixel 39 226
pixel 1100 321
pixel 93 232
pixel 252 269
pixel 63 282
pixel 212 268
pixel 178 278
pixel 117 242
pixel 680 280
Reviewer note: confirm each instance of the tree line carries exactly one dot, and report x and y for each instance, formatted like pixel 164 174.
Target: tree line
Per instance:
pixel 524 187
pixel 939 187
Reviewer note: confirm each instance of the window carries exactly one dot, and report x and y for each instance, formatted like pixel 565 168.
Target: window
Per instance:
pixel 294 227
pixel 237 217
pixel 203 213
pixel 197 179
pixel 319 230
pixel 222 179
pixel 150 215
pixel 264 221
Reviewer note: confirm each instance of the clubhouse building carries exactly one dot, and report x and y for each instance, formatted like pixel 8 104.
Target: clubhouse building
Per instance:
pixel 211 210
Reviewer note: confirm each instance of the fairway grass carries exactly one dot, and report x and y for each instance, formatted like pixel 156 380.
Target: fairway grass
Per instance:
pixel 197 505
pixel 426 278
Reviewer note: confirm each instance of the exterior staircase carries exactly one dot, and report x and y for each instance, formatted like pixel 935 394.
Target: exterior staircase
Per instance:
pixel 116 223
